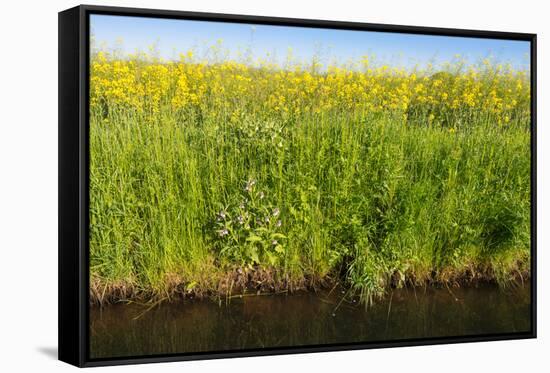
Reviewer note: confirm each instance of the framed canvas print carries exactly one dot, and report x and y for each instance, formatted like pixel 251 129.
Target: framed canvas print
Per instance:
pixel 238 186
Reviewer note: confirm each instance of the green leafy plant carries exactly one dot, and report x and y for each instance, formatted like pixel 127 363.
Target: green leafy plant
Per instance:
pixel 249 229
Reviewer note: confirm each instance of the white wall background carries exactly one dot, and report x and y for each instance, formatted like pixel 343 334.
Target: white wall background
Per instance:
pixel 28 184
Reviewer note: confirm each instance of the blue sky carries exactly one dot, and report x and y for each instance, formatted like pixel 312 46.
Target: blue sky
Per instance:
pixel 273 42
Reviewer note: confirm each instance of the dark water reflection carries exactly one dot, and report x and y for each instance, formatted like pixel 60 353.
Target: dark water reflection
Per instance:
pixel 305 319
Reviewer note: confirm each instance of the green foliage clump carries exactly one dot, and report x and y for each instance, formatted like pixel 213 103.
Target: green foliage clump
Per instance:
pixel 248 231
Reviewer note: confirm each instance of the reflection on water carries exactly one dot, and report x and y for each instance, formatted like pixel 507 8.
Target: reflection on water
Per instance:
pixel 305 319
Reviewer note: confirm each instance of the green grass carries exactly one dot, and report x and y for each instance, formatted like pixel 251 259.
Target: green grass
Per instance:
pixel 363 200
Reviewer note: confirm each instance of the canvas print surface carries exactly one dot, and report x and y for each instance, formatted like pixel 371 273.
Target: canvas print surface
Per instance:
pixel 257 186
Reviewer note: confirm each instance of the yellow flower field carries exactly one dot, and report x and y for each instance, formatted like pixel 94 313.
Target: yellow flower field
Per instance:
pixel 148 85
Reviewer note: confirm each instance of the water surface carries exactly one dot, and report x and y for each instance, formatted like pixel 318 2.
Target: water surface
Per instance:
pixel 305 319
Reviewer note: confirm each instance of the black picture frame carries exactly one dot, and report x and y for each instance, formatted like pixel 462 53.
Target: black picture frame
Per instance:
pixel 74 181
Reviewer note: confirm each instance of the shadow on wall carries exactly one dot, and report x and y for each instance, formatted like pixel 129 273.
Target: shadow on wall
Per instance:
pixel 50 352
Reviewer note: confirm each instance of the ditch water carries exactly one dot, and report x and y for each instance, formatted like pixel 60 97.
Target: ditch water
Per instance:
pixel 305 319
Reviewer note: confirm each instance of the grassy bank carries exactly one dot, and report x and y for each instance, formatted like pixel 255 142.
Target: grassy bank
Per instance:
pixel 213 178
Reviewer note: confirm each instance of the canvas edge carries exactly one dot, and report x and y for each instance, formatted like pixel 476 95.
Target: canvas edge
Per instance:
pixel 69 184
